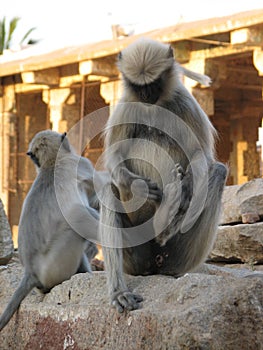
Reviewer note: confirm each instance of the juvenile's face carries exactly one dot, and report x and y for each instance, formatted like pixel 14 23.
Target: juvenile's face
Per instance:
pixel 34 158
pixel 44 147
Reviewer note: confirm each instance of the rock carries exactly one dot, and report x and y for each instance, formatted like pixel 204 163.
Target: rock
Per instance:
pixel 242 266
pixel 213 310
pixel 239 243
pixel 253 204
pixel 6 242
pixel 242 199
pixel 97 265
pixel 230 207
pixel 250 218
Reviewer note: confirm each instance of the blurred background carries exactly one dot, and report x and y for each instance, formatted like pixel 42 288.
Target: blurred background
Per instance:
pixel 58 65
pixel 64 23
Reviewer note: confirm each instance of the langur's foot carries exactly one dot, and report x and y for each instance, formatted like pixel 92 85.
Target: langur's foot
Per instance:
pixel 139 186
pixel 126 300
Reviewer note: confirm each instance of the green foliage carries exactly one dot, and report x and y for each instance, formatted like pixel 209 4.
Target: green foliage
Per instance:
pixel 7 31
pixel 2 35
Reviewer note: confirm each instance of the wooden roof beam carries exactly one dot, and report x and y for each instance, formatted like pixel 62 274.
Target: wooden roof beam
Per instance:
pixel 42 77
pixel 223 53
pixel 98 68
pixel 248 36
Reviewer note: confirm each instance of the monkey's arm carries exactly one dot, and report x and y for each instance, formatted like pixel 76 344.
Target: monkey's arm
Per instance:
pixel 117 143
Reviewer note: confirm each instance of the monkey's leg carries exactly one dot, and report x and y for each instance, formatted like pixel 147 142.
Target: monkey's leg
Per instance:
pixel 84 265
pixel 190 249
pixel 110 231
pixel 91 250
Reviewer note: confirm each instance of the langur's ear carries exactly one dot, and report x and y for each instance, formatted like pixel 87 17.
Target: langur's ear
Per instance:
pixel 63 136
pixel 65 142
pixel 119 56
pixel 170 52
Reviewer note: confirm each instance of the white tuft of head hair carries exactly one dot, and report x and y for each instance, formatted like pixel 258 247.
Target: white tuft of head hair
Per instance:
pixel 145 60
pixel 45 146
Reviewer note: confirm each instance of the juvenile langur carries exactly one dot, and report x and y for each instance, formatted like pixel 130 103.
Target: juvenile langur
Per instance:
pixel 49 248
pixel 159 147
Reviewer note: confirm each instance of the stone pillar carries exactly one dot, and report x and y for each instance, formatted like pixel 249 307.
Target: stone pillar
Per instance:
pixel 3 158
pixel 7 105
pixel 258 60
pixel 6 243
pixel 258 63
pixel 97 111
pixel 55 99
pixel 244 158
pixel 251 154
pixel 260 147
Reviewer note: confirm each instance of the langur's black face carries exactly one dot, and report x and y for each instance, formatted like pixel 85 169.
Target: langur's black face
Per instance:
pixel 148 93
pixel 34 158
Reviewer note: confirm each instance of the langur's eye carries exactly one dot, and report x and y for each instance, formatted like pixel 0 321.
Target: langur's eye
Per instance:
pixel 120 56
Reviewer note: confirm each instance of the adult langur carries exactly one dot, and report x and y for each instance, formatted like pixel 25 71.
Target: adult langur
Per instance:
pixel 160 213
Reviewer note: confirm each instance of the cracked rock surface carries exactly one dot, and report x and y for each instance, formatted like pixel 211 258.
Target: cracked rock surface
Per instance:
pixel 214 308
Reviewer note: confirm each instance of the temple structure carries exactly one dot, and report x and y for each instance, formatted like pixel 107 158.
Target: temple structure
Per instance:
pixel 74 89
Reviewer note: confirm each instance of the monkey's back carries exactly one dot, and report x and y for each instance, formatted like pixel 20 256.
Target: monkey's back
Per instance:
pixel 38 209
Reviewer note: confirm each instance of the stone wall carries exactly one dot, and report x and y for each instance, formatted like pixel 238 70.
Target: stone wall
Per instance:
pixel 240 236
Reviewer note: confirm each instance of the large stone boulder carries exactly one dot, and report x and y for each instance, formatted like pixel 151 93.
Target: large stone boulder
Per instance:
pixel 239 200
pixel 215 309
pixel 239 243
pixel 6 242
pixel 240 238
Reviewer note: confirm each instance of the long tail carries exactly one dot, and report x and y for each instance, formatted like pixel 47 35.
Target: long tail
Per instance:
pixel 26 285
pixel 200 78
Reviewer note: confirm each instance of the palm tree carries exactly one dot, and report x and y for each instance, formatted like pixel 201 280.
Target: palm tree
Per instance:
pixel 7 31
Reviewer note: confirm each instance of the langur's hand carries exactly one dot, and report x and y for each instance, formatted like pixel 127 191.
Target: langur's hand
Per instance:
pixel 138 185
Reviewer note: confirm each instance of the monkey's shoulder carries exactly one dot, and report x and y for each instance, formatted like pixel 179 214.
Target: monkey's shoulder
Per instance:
pixel 181 102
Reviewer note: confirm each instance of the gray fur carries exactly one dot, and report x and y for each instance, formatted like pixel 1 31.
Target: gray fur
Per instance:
pixel 200 78
pixel 49 249
pixel 192 181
